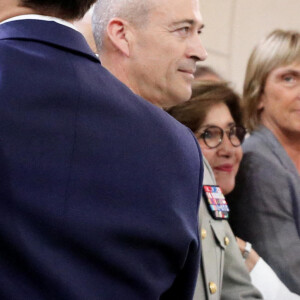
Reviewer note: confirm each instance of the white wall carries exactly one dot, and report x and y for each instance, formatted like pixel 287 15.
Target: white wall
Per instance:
pixel 233 27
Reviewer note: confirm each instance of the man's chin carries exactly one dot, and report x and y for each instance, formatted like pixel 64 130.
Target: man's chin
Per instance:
pixel 177 97
pixel 186 94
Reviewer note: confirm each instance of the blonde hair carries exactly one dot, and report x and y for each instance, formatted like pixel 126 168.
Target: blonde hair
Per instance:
pixel 279 48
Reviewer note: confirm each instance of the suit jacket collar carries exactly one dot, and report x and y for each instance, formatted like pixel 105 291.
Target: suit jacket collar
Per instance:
pixel 47 32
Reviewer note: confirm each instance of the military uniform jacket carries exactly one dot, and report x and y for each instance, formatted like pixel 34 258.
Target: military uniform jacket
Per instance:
pixel 223 274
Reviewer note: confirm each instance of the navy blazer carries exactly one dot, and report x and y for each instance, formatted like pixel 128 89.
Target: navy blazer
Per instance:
pixel 99 188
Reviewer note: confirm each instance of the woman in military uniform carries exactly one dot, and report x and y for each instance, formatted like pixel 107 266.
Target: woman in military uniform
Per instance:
pixel 214 115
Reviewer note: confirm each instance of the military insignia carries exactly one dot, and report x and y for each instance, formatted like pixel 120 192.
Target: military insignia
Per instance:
pixel 216 201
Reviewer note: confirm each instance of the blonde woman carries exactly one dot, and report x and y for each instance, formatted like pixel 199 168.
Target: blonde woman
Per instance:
pixel 266 201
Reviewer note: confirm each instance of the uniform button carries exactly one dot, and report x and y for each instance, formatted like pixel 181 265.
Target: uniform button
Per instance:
pixel 212 287
pixel 226 241
pixel 203 234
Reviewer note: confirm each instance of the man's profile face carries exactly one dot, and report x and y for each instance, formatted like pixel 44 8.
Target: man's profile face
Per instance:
pixel 165 52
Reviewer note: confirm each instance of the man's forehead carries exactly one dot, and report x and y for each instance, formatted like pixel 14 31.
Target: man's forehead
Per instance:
pixel 178 10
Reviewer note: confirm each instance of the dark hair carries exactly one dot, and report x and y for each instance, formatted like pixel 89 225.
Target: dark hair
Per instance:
pixel 205 95
pixel 65 9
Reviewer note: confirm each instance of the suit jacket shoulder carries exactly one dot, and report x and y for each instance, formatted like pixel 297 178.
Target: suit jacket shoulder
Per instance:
pixel 100 189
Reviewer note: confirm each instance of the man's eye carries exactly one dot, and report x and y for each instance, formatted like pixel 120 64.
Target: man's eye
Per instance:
pixel 184 30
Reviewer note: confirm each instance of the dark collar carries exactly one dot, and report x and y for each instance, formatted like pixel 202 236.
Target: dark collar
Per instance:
pixel 47 32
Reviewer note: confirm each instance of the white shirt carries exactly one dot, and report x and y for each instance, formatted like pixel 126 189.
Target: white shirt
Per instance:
pixel 42 18
pixel 267 282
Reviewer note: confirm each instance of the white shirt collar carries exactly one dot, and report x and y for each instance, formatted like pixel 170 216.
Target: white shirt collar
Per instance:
pixel 40 17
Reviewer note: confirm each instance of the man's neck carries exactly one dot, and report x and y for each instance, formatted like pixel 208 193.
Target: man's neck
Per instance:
pixel 114 63
pixel 9 11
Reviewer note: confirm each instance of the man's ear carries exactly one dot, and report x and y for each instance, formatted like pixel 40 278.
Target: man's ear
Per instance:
pixel 117 31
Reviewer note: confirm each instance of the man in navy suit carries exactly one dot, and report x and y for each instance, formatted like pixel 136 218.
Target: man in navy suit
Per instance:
pixel 99 188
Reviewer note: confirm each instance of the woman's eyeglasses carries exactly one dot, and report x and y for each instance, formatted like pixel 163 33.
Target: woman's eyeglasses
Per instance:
pixel 213 135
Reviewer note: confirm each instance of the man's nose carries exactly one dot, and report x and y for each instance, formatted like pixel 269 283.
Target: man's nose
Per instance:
pixel 196 49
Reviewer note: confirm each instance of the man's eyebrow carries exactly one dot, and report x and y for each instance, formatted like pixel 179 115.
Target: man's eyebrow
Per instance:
pixel 189 21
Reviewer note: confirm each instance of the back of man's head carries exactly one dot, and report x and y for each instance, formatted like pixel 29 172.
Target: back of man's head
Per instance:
pixel 65 9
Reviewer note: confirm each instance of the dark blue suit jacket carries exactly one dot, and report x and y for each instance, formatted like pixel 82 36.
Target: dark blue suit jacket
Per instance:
pixel 99 189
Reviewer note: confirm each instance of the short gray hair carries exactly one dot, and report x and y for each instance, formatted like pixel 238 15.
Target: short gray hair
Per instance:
pixel 133 11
